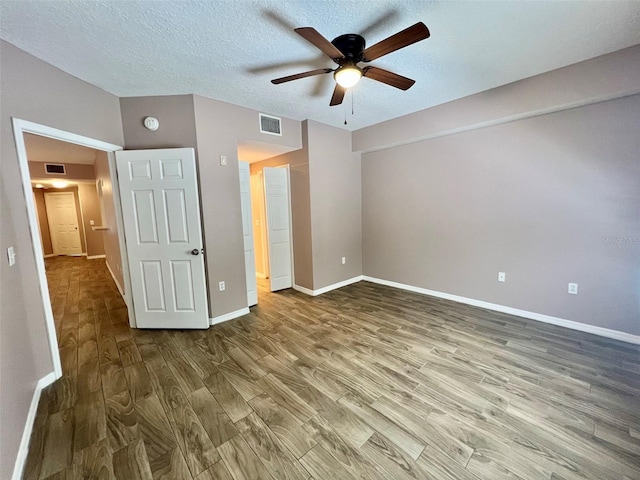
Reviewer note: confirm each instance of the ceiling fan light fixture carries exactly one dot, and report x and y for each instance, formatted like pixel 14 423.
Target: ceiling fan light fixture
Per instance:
pixel 348 75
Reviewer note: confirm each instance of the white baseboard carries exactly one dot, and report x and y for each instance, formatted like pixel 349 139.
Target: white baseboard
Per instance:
pixel 260 275
pixel 92 257
pixel 50 255
pixel 328 288
pixel 228 316
pixel 304 290
pixel 23 450
pixel 561 322
pixel 116 282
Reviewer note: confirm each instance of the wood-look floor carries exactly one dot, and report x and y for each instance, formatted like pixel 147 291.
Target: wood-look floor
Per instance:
pixel 366 382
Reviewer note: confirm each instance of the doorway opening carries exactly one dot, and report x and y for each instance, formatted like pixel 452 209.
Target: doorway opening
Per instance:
pixel 265 188
pixel 29 137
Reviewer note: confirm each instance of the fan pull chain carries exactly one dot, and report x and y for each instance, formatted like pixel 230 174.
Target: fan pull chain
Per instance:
pixel 345 114
pixel 352 103
pixel 345 107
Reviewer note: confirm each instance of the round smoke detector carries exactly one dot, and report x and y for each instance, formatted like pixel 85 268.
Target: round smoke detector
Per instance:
pixel 151 123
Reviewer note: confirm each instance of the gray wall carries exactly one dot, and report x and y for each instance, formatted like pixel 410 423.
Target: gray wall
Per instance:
pixel 219 128
pixel 86 199
pixel 73 171
pixel 591 80
pixel 298 162
pixel 549 200
pixel 33 90
pixel 213 128
pixel 90 204
pixel 335 178
pixel 43 221
pixel 110 239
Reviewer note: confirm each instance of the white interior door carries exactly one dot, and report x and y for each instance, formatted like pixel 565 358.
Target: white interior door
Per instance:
pixel 63 223
pixel 247 233
pixel 276 192
pixel 161 216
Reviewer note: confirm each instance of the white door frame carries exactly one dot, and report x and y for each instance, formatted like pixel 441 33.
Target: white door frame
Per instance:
pixel 250 267
pixel 20 127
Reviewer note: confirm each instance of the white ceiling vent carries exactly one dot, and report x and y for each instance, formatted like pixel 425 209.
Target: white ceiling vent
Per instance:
pixel 54 169
pixel 270 125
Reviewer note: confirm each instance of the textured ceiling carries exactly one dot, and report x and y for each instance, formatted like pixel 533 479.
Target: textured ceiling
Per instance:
pixel 229 50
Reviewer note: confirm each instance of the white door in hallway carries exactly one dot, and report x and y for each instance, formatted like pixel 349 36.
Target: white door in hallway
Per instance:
pixel 63 223
pixel 276 192
pixel 162 230
pixel 247 233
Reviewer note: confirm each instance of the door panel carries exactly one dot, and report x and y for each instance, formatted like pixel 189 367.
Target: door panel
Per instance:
pixel 153 285
pixel 182 279
pixel 247 232
pixel 144 212
pixel 176 211
pixel 161 213
pixel 276 186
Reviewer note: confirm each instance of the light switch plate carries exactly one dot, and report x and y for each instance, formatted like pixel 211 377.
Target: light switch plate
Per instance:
pixel 11 256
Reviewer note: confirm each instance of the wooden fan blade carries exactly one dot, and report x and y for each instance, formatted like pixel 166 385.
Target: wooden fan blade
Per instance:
pixel 312 36
pixel 402 39
pixel 338 95
pixel 311 73
pixel 390 78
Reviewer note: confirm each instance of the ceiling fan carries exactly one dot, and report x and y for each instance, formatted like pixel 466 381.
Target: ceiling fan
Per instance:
pixel 348 50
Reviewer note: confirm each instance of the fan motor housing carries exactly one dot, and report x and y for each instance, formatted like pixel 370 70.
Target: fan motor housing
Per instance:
pixel 351 45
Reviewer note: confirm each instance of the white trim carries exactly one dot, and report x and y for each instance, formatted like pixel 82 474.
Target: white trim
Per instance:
pixel 561 322
pixel 23 449
pixel 328 288
pixel 20 127
pixel 21 150
pixel 92 257
pixel 508 119
pixel 305 290
pixel 127 293
pixel 260 275
pixel 42 130
pixel 50 255
pixel 228 316
pixel 118 286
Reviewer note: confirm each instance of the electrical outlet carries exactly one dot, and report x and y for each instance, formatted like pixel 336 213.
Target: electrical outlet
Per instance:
pixel 573 288
pixel 502 277
pixel 91 222
pixel 223 159
pixel 221 286
pixel 344 260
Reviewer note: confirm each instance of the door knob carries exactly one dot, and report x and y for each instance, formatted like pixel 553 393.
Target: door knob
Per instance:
pixel 195 251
